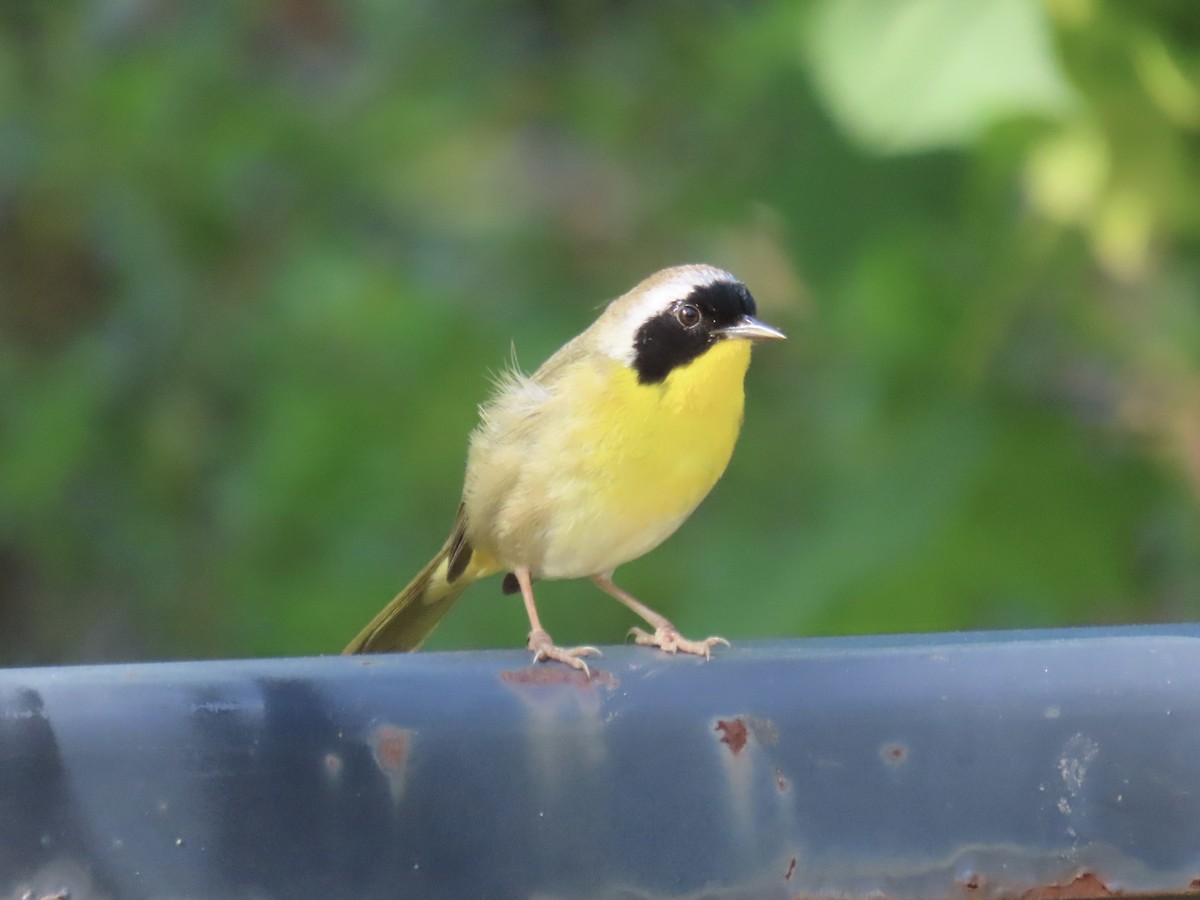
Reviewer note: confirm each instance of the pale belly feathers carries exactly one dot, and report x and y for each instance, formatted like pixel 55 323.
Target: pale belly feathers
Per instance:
pixel 575 479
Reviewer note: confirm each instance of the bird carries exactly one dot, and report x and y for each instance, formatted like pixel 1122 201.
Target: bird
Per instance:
pixel 595 459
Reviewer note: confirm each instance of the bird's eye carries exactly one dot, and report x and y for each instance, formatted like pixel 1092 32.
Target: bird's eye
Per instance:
pixel 688 316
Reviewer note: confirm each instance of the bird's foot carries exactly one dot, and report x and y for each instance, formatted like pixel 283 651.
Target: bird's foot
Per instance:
pixel 545 649
pixel 667 638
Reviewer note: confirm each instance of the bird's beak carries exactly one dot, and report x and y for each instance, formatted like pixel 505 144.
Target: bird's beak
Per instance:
pixel 750 329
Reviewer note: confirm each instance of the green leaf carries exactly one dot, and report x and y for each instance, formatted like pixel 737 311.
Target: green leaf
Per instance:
pixel 920 74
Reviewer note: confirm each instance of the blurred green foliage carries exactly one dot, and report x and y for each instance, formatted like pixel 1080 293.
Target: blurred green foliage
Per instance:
pixel 257 261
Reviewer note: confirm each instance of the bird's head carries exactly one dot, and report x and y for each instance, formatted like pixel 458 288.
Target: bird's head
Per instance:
pixel 674 317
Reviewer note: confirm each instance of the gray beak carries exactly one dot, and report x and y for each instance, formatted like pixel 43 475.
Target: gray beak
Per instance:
pixel 750 329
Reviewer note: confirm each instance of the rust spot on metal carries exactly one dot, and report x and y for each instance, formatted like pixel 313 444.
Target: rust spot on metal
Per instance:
pixel 551 675
pixel 1083 887
pixel 390 747
pixel 894 755
pixel 973 882
pixel 734 733
pixel 787 876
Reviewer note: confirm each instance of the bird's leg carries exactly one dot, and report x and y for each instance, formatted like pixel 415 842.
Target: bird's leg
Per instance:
pixel 539 640
pixel 666 636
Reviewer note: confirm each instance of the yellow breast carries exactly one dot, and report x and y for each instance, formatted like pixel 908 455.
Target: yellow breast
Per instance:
pixel 638 458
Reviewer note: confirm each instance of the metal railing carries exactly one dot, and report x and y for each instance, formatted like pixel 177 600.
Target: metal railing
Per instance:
pixel 1024 764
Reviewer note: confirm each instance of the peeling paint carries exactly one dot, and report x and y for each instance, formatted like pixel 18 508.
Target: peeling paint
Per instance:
pixel 765 731
pixel 1077 755
pixel 62 879
pixel 216 707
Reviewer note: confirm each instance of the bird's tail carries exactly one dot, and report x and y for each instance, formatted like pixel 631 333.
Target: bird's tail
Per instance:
pixel 408 620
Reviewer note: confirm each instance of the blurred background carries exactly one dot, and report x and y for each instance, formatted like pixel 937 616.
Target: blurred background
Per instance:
pixel 257 262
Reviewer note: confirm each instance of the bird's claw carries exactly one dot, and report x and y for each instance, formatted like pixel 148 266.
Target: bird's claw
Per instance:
pixel 545 649
pixel 668 639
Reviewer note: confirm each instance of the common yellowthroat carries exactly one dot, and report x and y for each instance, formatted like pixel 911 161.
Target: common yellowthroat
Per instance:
pixel 595 459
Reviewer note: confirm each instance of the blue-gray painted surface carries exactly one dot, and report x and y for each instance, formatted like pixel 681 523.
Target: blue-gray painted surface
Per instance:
pixel 981 765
